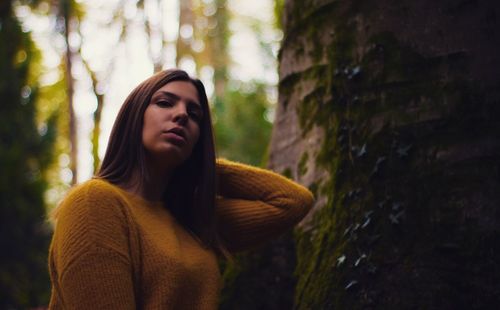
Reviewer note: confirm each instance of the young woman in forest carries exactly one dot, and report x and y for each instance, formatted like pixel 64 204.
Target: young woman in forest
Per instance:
pixel 147 230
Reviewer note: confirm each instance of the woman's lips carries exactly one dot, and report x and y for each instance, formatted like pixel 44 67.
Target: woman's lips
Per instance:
pixel 174 138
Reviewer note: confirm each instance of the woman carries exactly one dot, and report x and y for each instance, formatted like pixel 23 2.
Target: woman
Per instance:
pixel 146 231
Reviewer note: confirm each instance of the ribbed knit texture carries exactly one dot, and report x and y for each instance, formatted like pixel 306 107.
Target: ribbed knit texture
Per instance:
pixel 114 250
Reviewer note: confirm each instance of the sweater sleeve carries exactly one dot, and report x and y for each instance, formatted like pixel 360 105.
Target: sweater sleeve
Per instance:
pixel 256 204
pixel 89 257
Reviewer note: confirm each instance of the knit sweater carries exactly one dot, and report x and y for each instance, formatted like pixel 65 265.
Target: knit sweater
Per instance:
pixel 115 250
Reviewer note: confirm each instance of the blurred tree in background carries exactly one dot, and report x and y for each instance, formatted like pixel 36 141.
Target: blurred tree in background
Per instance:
pixel 25 154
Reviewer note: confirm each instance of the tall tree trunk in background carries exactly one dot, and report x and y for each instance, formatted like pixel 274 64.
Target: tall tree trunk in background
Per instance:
pixel 209 22
pixel 218 41
pixel 158 62
pixel 102 81
pixel 186 18
pixel 153 28
pixel 66 13
pixel 97 115
pixel 96 132
pixel 388 111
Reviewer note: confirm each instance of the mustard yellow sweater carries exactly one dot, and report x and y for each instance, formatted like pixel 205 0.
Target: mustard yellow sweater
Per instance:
pixel 114 250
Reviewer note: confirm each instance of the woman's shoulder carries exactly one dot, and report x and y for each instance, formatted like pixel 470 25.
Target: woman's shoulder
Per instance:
pixel 95 195
pixel 95 189
pixel 91 216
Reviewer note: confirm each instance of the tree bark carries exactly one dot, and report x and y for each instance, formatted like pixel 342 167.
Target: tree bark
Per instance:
pixel 388 110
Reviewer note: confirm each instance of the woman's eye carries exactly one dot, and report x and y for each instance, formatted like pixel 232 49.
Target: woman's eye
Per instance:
pixel 164 103
pixel 195 115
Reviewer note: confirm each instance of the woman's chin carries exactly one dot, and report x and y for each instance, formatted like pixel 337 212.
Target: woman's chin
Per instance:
pixel 169 154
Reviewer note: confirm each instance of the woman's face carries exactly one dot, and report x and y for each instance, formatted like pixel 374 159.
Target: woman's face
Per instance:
pixel 172 123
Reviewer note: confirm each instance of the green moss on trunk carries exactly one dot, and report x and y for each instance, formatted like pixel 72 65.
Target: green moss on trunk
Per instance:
pixel 396 231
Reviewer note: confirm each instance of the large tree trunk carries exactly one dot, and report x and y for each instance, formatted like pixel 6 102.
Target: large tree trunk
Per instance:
pixel 389 111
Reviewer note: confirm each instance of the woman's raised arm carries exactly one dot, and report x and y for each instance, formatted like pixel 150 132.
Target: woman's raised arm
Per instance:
pixel 256 204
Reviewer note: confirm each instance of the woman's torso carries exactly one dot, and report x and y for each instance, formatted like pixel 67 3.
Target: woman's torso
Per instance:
pixel 168 268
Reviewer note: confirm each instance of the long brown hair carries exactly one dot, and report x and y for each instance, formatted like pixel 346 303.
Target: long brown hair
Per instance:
pixel 190 196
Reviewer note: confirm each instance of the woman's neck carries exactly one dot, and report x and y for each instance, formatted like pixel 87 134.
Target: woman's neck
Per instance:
pixel 152 188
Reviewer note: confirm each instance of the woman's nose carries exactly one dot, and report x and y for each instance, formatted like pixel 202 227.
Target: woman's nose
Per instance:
pixel 180 113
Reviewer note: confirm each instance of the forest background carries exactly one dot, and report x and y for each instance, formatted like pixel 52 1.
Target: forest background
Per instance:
pixel 66 68
pixel 387 110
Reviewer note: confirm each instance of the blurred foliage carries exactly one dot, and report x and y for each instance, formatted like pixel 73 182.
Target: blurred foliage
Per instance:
pixel 25 154
pixel 241 129
pixel 52 107
pixel 279 6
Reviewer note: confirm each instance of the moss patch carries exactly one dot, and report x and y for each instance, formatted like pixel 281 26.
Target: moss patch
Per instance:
pixel 386 111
